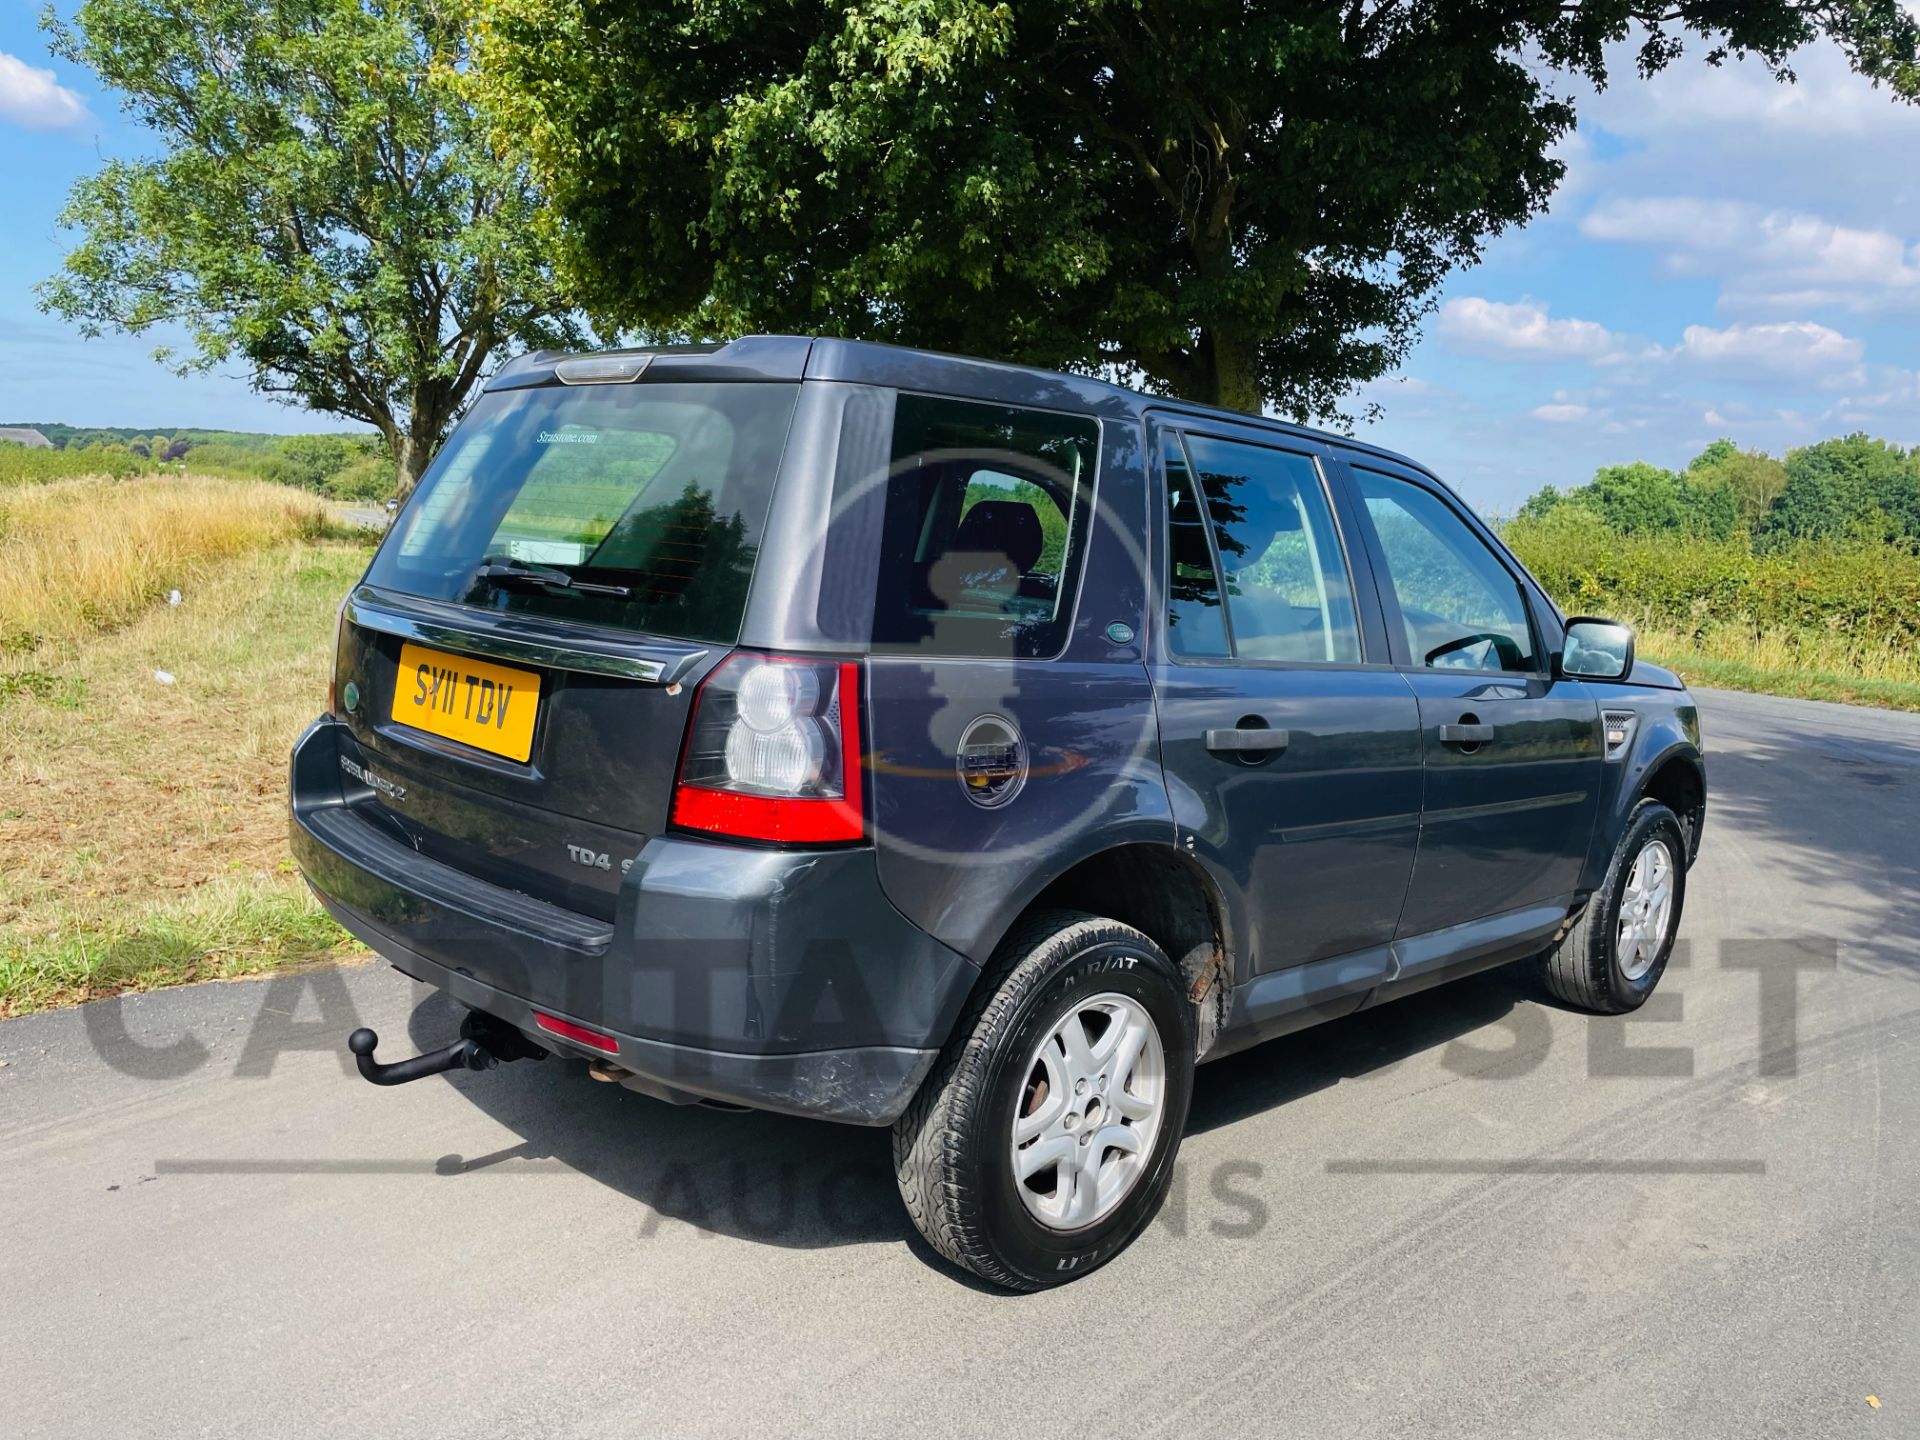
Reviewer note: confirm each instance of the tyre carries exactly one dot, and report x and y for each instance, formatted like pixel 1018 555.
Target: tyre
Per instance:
pixel 1615 953
pixel 1043 1142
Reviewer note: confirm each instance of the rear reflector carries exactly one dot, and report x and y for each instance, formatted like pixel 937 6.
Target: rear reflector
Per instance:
pixel 567 1030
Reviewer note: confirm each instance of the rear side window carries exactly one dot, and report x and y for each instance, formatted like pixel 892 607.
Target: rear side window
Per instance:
pixel 1196 618
pixel 986 516
pixel 637 506
pixel 1275 558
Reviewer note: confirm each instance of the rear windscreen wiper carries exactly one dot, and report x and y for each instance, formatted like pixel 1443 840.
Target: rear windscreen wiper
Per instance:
pixel 514 572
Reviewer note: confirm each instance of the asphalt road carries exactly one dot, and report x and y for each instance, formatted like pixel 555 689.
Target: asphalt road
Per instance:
pixel 1453 1216
pixel 366 517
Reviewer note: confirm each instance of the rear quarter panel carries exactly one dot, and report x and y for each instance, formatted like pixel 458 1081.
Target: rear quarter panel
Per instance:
pixel 963 872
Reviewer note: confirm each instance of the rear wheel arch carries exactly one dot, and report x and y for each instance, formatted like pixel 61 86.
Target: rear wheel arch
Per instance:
pixel 1168 897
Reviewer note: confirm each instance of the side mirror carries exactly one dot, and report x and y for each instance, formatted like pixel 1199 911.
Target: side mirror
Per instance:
pixel 1597 649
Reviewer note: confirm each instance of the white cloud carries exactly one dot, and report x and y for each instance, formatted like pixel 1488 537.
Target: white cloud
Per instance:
pixel 1791 350
pixel 1522 330
pixel 1891 406
pixel 33 98
pixel 1561 413
pixel 1767 259
pixel 1825 101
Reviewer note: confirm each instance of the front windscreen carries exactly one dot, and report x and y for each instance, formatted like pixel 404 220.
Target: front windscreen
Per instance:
pixel 639 507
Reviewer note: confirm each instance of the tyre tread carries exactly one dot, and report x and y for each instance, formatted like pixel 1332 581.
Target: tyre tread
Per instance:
pixel 1578 969
pixel 929 1137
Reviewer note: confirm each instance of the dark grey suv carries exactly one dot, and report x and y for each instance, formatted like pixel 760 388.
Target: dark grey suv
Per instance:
pixel 908 740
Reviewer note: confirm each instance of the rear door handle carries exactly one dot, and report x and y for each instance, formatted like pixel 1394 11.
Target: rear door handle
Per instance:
pixel 1243 741
pixel 1466 734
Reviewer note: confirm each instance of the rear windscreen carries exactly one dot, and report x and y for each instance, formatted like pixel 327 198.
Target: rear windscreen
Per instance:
pixel 634 506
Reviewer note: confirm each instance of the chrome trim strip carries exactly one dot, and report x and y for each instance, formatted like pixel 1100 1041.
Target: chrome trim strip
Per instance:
pixel 530 652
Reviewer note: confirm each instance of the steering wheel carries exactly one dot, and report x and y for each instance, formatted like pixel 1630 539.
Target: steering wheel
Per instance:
pixel 1504 650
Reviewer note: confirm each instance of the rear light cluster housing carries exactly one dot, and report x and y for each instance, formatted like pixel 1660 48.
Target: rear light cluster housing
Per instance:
pixel 773 752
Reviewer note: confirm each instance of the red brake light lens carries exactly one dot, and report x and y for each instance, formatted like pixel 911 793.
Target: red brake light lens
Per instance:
pixel 774 752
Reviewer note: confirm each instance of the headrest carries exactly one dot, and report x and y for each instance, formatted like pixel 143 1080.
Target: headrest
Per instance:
pixel 1001 527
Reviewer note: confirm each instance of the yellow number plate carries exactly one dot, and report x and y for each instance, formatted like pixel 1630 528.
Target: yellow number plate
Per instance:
pixel 487 706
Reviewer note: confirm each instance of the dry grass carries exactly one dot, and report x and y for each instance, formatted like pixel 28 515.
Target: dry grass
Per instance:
pixel 143 824
pixel 1813 665
pixel 82 556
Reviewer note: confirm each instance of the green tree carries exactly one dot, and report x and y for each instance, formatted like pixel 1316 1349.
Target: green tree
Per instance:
pixel 1753 478
pixel 313 460
pixel 1636 498
pixel 1242 201
pixel 1717 453
pixel 1542 503
pixel 1708 505
pixel 1642 499
pixel 323 206
pixel 1853 487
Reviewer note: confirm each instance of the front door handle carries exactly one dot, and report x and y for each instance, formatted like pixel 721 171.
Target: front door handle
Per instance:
pixel 1250 740
pixel 1466 734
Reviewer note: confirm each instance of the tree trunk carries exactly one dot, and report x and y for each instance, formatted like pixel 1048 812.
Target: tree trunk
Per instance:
pixel 408 464
pixel 1231 362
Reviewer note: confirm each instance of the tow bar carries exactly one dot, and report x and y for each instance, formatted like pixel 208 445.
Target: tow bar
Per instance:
pixel 484 1043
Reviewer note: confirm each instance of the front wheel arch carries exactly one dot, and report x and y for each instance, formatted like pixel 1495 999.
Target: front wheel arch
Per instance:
pixel 1678 780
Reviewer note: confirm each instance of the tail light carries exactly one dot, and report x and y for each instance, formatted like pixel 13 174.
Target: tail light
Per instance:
pixel 774 752
pixel 333 660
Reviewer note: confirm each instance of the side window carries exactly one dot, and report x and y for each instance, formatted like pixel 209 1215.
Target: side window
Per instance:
pixel 987 511
pixel 1279 562
pixel 1196 623
pixel 1462 608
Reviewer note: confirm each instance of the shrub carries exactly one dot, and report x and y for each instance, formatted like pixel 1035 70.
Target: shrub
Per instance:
pixel 1867 593
pixel 369 479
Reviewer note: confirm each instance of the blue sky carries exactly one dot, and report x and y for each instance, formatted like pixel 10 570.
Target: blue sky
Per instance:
pixel 1728 256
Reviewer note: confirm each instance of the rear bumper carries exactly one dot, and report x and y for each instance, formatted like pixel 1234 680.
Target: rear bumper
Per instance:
pixel 781 980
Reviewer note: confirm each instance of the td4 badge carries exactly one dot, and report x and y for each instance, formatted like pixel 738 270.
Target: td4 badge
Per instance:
pixel 597 859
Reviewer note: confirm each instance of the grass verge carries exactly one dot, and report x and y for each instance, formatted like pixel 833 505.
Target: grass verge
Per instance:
pixel 144 823
pixel 83 556
pixel 1741 673
pixel 224 929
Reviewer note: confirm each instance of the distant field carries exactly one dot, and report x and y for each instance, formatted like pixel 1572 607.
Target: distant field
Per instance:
pixel 21 466
pixel 143 822
pixel 342 466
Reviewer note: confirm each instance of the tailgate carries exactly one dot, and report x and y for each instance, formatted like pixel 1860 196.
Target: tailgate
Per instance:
pixel 518 666
pixel 589 756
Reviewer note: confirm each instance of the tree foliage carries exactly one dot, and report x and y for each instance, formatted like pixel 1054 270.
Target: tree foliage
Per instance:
pixel 1850 488
pixel 1642 499
pixel 1241 201
pixel 1752 478
pixel 324 205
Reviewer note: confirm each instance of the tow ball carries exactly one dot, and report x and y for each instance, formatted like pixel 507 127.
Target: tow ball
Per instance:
pixel 484 1043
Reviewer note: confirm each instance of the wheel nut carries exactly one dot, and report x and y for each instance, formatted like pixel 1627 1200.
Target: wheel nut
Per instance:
pixel 1080 1087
